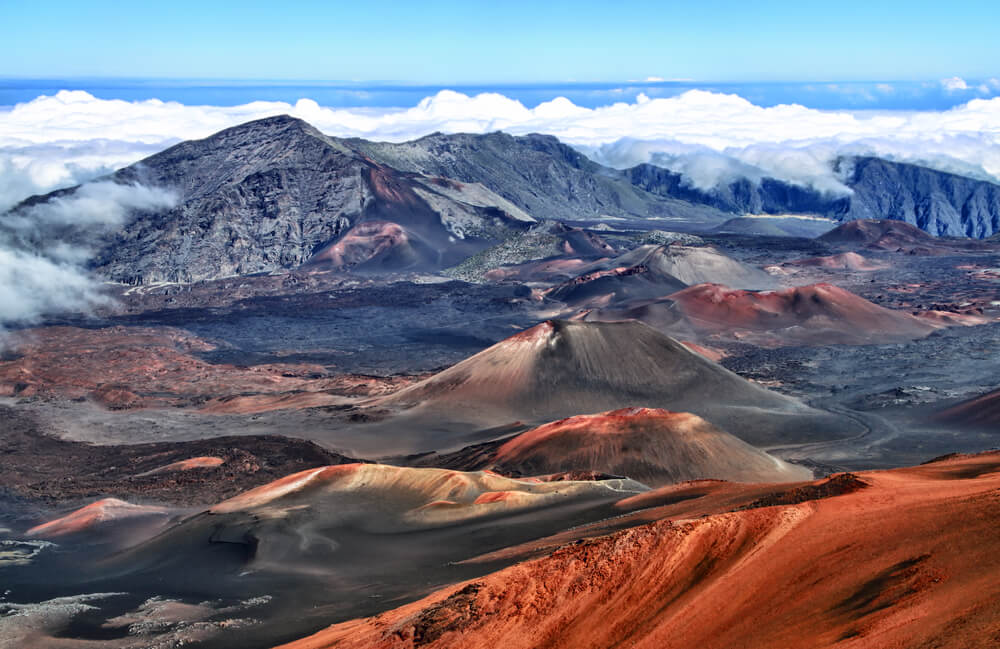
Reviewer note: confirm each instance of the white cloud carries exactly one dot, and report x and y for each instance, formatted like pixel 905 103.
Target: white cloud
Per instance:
pixel 59 140
pixel 709 137
pixel 954 84
pixel 32 285
pixel 44 248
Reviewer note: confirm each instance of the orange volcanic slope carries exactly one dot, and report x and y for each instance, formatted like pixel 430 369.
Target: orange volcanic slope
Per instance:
pixel 108 510
pixel 910 560
pixel 190 464
pixel 821 313
pixel 981 412
pixel 385 497
pixel 650 445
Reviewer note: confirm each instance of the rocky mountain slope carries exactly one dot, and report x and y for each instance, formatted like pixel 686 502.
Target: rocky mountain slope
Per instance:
pixel 539 174
pixel 271 194
pixel 277 194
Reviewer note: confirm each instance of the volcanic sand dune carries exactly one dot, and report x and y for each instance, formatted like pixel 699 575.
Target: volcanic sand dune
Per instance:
pixel 652 446
pixel 364 527
pixel 904 558
pixel 980 412
pixel 107 512
pixel 383 498
pixel 560 368
pixel 816 314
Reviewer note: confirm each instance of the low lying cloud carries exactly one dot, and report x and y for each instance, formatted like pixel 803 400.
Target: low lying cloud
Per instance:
pixel 39 168
pixel 954 84
pixel 32 285
pixel 44 248
pixel 709 137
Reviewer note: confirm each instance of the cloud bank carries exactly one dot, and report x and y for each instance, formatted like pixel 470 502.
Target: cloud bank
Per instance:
pixel 44 249
pixel 709 137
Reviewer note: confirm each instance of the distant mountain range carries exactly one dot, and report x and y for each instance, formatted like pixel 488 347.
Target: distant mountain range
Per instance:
pixel 276 193
pixel 937 202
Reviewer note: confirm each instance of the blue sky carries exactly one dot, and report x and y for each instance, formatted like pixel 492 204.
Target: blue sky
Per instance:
pixel 513 41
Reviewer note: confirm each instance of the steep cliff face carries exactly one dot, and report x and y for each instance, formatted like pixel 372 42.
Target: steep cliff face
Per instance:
pixel 937 202
pixel 253 198
pixel 742 196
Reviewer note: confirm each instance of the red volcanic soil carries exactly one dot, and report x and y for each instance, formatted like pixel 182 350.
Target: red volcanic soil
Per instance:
pixel 42 469
pixel 816 314
pixel 187 465
pixel 545 270
pixel 884 234
pixel 134 367
pixel 901 558
pixel 980 412
pixel 843 261
pixel 896 236
pixel 86 519
pixel 952 318
pixel 650 445
pixel 364 242
pixel 712 354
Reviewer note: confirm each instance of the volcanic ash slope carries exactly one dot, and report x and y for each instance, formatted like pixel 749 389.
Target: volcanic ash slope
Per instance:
pixel 559 369
pixel 344 519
